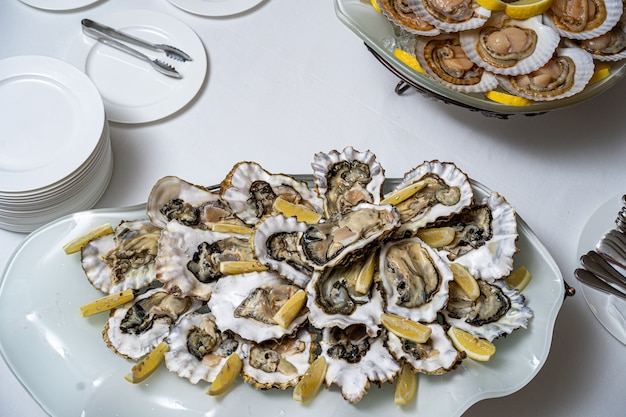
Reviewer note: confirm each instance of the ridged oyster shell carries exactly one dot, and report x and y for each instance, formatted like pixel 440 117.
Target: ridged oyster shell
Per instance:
pixel 122 260
pixel 566 73
pixel 250 191
pixel 435 357
pixel 498 311
pixel 414 279
pixel 188 258
pixel 245 304
pixel 510 47
pixel 583 19
pixel 198 349
pixel 445 61
pixel 355 360
pixel 345 179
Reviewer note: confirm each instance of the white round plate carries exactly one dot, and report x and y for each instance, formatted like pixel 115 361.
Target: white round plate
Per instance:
pixel 215 7
pixel 52 119
pixel 46 342
pixel 605 307
pixel 132 91
pixel 58 4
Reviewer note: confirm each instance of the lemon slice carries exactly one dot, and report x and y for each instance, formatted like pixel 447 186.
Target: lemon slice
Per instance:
pixel 437 237
pixel 237 229
pixel 525 9
pixel 406 385
pixel 375 6
pixel 285 315
pixel 409 60
pixel 227 376
pixel 495 5
pixel 150 363
pixel 405 328
pixel 474 347
pixel 465 280
pixel 366 275
pixel 311 381
pixel 519 278
pixel 509 99
pixel 602 70
pixel 77 243
pixel 300 212
pixel 405 193
pixel 240 267
pixel 106 303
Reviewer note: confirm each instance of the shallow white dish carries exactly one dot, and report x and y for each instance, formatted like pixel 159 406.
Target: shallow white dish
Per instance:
pixel 59 4
pixel 52 120
pixel 215 7
pixel 46 342
pixel 132 91
pixel 604 306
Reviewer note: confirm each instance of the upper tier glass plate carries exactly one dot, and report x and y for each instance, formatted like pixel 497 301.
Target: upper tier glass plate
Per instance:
pixel 58 4
pixel 47 343
pixel 132 91
pixel 215 7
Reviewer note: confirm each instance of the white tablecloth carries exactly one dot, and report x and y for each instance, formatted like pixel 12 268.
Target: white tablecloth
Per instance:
pixel 287 80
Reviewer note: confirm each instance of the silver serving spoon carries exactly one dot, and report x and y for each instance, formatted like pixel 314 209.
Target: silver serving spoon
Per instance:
pixel 596 264
pixel 593 281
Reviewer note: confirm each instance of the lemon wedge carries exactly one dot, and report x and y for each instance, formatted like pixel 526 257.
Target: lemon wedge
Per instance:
pixel 300 212
pixel 240 267
pixel 406 385
pixel 525 9
pixel 311 381
pixel 474 347
pixel 437 237
pixel 366 274
pixel 288 311
pixel 223 227
pixel 409 59
pixel 106 303
pixel 405 328
pixel 375 6
pixel 227 376
pixel 602 70
pixel 494 5
pixel 465 280
pixel 509 99
pixel 150 363
pixel 519 278
pixel 403 194
pixel 77 243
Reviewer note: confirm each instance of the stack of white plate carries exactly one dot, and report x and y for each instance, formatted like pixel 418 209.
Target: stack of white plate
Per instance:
pixel 55 148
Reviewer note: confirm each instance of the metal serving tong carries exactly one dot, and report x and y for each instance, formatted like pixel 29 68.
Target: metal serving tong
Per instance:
pixel 112 37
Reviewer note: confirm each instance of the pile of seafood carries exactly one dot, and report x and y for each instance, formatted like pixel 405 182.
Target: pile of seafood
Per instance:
pixel 172 261
pixel 468 48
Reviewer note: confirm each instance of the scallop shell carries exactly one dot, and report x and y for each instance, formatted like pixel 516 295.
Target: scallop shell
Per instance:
pixel 181 247
pixel 369 361
pixel 289 262
pixel 610 46
pixel 432 52
pixel 576 66
pixel 402 15
pixel 432 208
pixel 414 279
pixel 450 18
pixel 184 363
pixel 237 191
pixel 608 14
pixel 435 357
pixel 171 195
pixel 546 42
pixel 517 315
pixel 363 184
pixel 231 291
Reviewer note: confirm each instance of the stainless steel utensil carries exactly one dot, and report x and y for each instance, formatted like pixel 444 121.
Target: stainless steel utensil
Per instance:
pixel 596 264
pixel 170 51
pixel 160 66
pixel 613 247
pixel 586 277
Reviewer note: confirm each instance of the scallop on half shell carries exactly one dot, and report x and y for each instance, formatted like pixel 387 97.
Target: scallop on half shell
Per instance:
pixel 583 19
